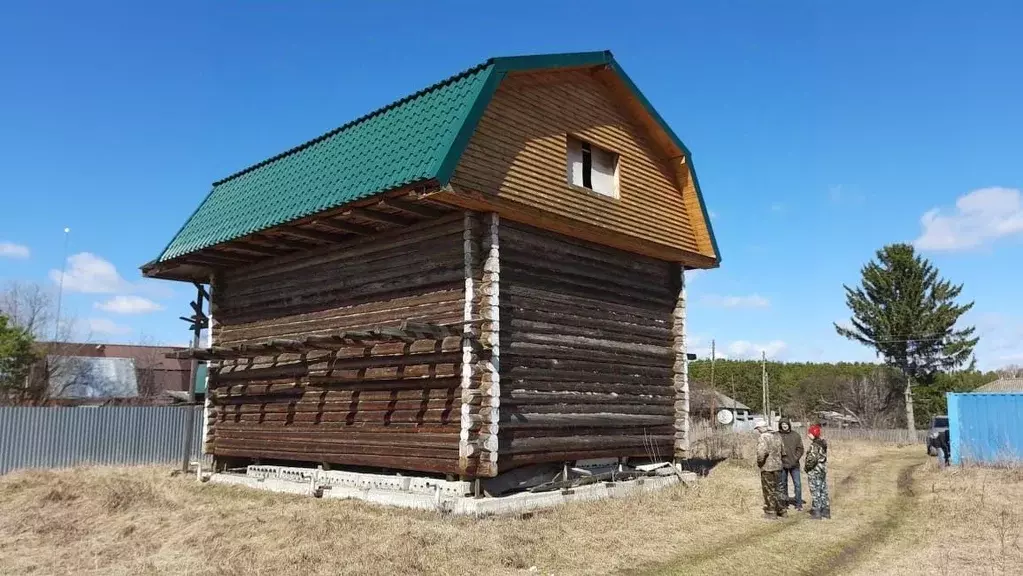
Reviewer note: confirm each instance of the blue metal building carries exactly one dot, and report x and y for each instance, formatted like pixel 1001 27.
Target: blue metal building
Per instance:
pixel 986 428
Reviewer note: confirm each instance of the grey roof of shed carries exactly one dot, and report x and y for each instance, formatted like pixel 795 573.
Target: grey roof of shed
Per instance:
pixel 92 377
pixel 1003 385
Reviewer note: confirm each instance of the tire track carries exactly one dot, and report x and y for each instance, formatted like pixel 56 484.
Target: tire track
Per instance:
pixel 878 531
pixel 755 537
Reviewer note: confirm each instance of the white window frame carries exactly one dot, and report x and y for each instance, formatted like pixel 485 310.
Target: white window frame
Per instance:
pixel 581 156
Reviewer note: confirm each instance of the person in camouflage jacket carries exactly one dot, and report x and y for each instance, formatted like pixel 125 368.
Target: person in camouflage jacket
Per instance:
pixel 816 468
pixel 769 451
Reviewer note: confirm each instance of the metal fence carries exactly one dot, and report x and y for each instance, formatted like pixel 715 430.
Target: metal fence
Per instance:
pixel 986 428
pixel 112 435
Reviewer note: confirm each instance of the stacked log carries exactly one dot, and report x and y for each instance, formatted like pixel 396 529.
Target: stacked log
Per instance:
pixel 382 404
pixel 482 390
pixel 587 362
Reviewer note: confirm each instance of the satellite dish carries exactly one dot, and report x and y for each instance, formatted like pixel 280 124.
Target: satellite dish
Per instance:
pixel 725 416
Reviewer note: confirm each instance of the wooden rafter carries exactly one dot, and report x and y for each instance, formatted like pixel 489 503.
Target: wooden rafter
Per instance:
pixel 313 235
pixel 247 248
pixel 374 216
pixel 277 241
pixel 344 227
pixel 409 208
pixel 218 260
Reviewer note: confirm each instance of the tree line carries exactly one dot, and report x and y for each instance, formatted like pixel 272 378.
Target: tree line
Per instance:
pixel 872 393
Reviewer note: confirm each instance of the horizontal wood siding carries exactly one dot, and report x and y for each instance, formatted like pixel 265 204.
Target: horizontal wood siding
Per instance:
pixel 518 152
pixel 586 351
pixel 394 405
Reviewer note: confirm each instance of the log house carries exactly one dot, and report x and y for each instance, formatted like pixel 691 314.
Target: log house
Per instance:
pixel 486 274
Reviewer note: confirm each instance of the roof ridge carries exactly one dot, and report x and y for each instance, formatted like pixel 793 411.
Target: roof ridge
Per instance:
pixel 358 120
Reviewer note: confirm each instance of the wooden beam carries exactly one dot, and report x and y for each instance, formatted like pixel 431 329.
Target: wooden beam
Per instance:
pixel 516 212
pixel 247 248
pixel 286 242
pixel 214 261
pixel 313 235
pixel 410 208
pixel 381 217
pixel 344 227
pixel 202 290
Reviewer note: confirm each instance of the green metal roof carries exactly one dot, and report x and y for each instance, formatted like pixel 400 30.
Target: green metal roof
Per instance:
pixel 417 139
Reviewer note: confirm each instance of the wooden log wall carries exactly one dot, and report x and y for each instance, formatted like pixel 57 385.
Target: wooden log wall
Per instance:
pixel 481 389
pixel 586 359
pixel 393 405
pixel 680 368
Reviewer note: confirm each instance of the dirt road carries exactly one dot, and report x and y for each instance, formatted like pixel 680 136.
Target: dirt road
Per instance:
pixel 870 500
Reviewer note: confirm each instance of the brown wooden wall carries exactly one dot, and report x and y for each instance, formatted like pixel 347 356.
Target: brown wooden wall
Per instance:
pixel 586 356
pixel 518 153
pixel 391 405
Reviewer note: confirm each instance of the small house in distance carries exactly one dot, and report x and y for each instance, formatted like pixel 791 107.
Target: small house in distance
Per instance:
pixel 484 275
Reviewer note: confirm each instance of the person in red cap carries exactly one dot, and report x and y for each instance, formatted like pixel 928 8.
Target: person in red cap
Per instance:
pixel 816 468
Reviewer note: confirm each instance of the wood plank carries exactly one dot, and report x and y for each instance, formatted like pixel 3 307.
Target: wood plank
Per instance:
pixel 343 227
pixel 377 216
pixel 516 156
pixel 395 461
pixel 316 235
pixel 412 208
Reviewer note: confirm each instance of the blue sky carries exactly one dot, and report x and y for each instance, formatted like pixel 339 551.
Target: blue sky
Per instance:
pixel 821 132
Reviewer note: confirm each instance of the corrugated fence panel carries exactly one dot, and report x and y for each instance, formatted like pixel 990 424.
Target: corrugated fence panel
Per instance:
pixel 109 435
pixel 986 428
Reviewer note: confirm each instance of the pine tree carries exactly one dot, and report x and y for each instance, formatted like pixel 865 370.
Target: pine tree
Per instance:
pixel 907 313
pixel 16 359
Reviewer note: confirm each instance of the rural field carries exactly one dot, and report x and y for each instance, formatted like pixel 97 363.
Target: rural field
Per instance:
pixel 894 512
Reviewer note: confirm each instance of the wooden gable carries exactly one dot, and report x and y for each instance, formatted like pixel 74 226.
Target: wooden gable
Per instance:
pixel 516 164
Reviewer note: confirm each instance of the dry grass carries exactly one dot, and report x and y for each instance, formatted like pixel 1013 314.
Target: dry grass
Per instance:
pixel 143 521
pixel 967 520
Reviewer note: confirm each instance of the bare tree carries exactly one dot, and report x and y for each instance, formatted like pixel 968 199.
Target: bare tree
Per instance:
pixel 31 307
pixel 148 366
pixel 1011 371
pixel 873 399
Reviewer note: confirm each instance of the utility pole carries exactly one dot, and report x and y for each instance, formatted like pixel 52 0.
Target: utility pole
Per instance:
pixel 713 388
pixel 60 289
pixel 764 398
pixel 735 406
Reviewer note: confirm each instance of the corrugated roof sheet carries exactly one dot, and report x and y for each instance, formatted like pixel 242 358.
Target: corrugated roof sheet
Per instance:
pixel 91 377
pixel 416 139
pixel 398 145
pixel 1003 385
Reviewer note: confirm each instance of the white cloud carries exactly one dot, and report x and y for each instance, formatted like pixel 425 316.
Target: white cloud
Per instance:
pixel 980 217
pixel 751 301
pixel 128 305
pixel 91 274
pixel 746 349
pixel 12 250
pixel 712 214
pixel 777 207
pixel 105 326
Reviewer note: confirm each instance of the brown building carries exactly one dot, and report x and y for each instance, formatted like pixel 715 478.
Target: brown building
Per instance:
pixel 485 274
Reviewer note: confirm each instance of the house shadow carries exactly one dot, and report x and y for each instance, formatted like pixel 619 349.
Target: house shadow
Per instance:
pixel 701 466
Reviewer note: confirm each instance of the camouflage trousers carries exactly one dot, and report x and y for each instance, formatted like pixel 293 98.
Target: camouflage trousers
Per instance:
pixel 818 481
pixel 769 485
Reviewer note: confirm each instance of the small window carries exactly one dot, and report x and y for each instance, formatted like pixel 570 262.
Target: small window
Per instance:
pixel 592 167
